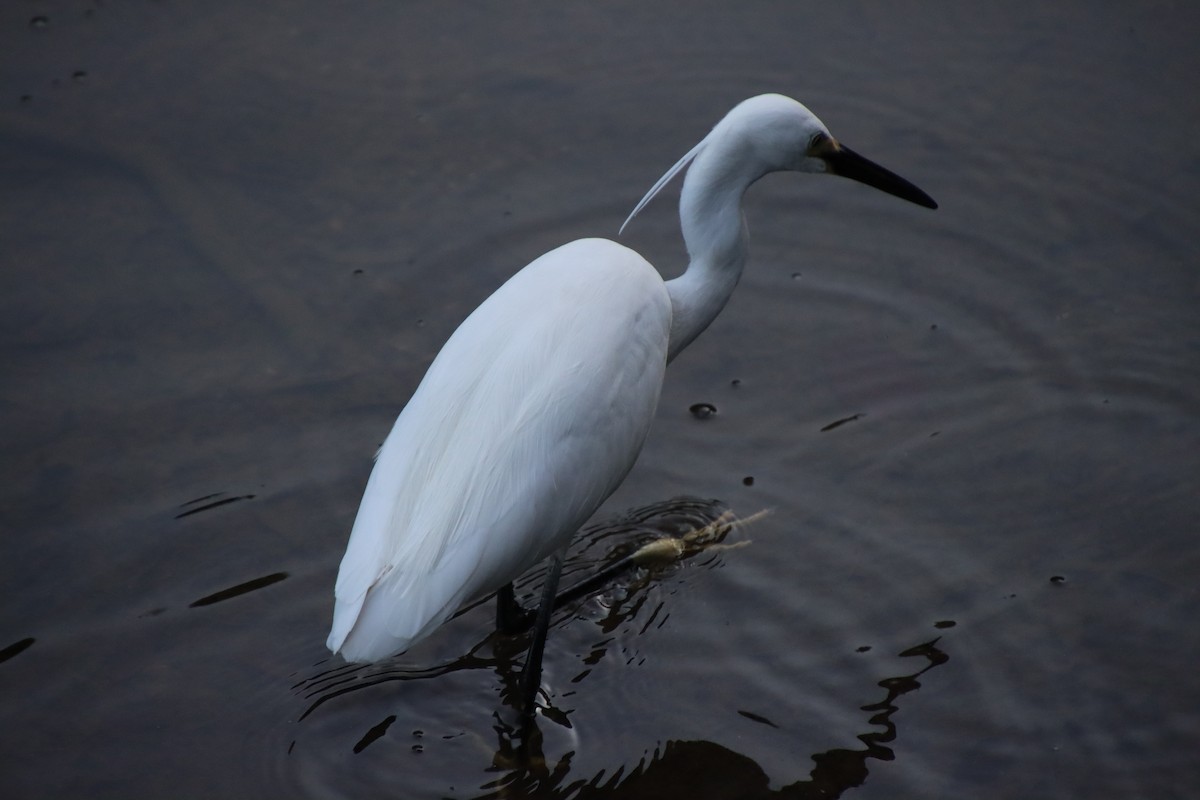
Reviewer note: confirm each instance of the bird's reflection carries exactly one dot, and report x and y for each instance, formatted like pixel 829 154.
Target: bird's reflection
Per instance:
pixel 516 764
pixel 703 769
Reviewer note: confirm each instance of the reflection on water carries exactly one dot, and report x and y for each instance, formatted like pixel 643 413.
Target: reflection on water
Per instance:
pixel 518 763
pixel 702 769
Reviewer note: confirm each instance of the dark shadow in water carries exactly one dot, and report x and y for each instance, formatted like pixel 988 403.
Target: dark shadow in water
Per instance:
pixel 837 423
pixel 16 648
pixel 240 589
pixel 209 502
pixel 702 769
pixel 378 732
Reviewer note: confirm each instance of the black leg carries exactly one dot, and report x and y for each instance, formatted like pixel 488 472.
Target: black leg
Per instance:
pixel 531 678
pixel 510 617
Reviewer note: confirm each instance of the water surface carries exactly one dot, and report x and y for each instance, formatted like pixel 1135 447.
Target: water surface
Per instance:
pixel 234 237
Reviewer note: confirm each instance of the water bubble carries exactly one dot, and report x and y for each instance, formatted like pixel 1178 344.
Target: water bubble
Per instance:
pixel 736 382
pixel 1057 580
pixel 418 748
pixel 78 75
pixel 862 649
pixel 748 480
pixel 797 276
pixel 945 623
pixel 39 21
pixel 702 410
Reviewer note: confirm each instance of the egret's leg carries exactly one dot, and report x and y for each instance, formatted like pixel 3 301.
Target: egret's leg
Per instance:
pixel 531 678
pixel 510 617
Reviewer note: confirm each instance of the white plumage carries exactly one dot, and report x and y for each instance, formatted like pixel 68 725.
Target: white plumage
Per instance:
pixel 538 405
pixel 491 469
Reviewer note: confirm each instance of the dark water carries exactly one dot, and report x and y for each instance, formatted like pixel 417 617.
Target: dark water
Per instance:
pixel 234 235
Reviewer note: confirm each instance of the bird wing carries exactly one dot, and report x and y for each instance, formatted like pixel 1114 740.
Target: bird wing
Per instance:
pixel 529 417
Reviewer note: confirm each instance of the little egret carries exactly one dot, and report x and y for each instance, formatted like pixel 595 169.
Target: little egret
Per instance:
pixel 537 406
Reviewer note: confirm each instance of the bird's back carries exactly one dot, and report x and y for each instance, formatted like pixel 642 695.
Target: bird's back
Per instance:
pixel 529 417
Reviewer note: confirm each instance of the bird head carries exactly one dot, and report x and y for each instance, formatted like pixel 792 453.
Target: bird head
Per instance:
pixel 783 134
pixel 772 133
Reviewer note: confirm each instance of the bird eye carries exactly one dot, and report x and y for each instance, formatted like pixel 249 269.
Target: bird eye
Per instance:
pixel 818 144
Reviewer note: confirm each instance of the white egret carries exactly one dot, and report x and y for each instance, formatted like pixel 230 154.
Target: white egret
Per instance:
pixel 537 406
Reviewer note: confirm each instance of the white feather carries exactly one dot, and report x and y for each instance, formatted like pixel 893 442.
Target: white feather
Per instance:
pixel 663 181
pixel 484 464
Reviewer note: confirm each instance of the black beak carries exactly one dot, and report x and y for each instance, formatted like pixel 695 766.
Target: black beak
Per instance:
pixel 849 164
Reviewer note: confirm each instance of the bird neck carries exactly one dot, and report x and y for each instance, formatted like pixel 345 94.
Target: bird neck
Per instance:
pixel 714 230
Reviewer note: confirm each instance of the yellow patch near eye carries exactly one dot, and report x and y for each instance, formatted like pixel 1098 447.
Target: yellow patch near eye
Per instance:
pixel 823 145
